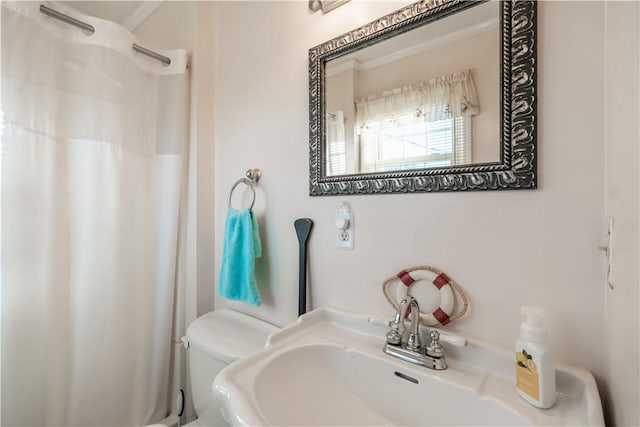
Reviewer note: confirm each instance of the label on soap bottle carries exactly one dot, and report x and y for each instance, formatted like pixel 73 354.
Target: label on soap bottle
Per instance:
pixel 527 378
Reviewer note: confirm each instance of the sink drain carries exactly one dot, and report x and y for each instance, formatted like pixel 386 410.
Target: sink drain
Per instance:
pixel 405 377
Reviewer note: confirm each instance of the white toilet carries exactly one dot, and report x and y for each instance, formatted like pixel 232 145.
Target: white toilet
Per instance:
pixel 215 340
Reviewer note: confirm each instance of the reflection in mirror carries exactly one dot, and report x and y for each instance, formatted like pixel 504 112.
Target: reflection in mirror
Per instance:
pixel 427 98
pixel 437 96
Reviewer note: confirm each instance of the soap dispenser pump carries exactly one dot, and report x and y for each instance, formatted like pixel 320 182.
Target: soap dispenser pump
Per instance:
pixel 535 371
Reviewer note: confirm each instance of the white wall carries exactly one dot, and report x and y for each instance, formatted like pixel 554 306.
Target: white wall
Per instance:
pixel 506 248
pixel 622 140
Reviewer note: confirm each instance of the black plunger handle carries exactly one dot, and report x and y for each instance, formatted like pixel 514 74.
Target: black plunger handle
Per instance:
pixel 303 229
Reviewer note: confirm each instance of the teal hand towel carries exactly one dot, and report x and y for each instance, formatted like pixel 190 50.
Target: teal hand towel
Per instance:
pixel 240 249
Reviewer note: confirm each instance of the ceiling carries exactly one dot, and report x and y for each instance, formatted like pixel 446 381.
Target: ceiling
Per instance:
pixel 129 14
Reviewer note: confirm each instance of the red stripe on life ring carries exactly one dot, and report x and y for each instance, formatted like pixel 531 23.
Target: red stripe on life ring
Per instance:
pixel 441 316
pixel 405 277
pixel 441 280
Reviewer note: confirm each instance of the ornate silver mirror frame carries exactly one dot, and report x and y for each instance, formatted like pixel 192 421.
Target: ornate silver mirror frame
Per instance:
pixel 516 168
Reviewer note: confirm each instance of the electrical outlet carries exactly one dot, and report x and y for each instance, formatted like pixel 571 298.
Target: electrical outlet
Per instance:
pixel 344 227
pixel 344 239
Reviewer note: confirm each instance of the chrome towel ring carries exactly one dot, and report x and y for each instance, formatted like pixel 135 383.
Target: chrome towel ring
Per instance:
pixel 252 177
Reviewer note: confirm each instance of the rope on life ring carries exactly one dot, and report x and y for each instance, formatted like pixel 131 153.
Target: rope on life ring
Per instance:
pixel 446 286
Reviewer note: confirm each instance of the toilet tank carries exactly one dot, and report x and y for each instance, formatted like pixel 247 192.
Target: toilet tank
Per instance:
pixel 217 339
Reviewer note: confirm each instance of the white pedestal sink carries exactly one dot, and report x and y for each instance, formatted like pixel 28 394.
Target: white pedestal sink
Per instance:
pixel 328 369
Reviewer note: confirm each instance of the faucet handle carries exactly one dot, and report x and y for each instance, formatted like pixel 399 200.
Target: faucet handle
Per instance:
pixel 396 330
pixel 396 326
pixel 435 349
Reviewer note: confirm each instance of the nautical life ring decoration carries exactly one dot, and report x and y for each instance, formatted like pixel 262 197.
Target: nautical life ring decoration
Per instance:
pixel 443 314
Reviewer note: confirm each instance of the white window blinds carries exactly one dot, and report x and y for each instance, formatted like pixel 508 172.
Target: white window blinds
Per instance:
pixel 336 146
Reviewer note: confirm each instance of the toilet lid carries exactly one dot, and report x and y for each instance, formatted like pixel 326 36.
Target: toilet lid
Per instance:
pixel 228 335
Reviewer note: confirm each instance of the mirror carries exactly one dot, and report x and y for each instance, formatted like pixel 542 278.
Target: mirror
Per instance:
pixel 437 96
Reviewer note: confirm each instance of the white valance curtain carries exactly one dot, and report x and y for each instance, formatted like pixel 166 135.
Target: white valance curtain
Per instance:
pixel 440 98
pixel 92 165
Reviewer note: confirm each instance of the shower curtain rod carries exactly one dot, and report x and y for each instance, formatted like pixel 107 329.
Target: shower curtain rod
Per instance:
pixel 83 25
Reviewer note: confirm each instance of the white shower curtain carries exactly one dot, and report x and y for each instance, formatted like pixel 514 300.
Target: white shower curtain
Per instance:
pixel 92 162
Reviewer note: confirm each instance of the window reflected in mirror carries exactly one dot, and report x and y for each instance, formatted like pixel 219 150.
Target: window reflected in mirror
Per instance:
pixel 412 102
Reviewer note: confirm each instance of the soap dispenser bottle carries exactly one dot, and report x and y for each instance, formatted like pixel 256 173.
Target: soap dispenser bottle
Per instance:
pixel 535 371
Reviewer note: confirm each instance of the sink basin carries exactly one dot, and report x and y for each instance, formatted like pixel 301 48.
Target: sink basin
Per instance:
pixel 328 369
pixel 355 389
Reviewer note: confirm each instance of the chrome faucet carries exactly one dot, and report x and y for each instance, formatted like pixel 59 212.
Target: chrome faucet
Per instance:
pixel 396 326
pixel 410 350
